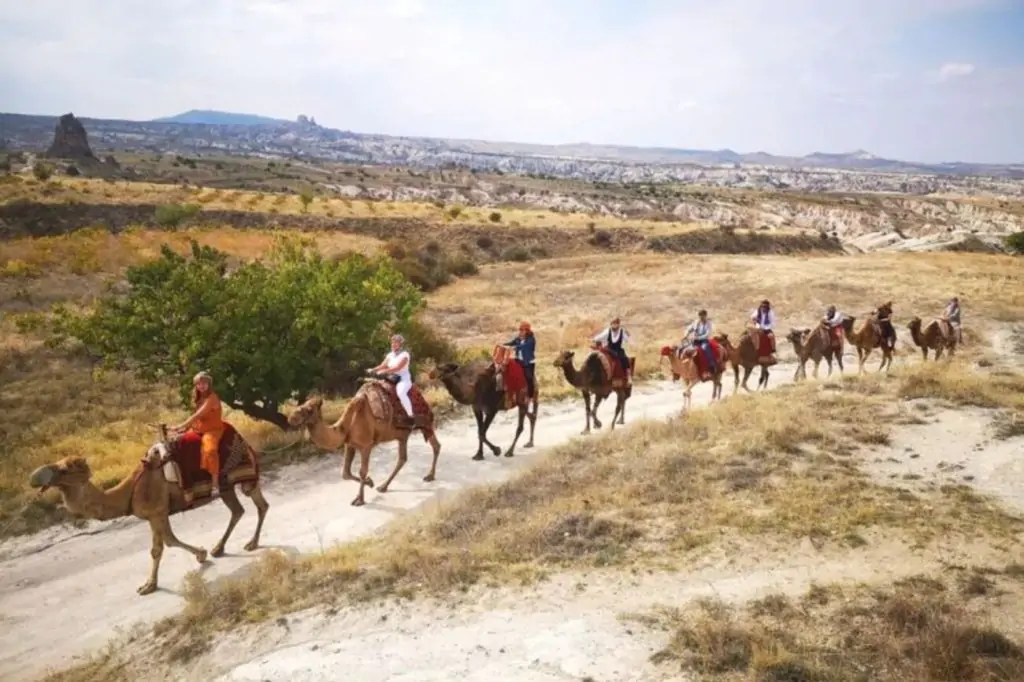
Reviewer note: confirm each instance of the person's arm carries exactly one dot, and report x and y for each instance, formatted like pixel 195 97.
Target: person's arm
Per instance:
pixel 707 331
pixel 529 344
pixel 600 336
pixel 403 362
pixel 381 367
pixel 203 409
pixel 625 337
pixel 514 343
pixel 771 318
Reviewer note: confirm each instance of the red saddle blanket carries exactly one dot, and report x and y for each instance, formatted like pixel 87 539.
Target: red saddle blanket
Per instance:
pixel 386 407
pixel 702 360
pixel 835 335
pixel 764 343
pixel 238 463
pixel 612 364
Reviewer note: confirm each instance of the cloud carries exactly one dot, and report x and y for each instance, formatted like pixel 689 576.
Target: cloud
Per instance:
pixel 791 76
pixel 951 70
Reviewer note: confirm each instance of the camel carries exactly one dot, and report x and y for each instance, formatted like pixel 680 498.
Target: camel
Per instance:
pixel 744 355
pixel 359 429
pixel 476 384
pixel 816 345
pixel 866 339
pixel 593 379
pixel 148 494
pixel 685 367
pixel 931 337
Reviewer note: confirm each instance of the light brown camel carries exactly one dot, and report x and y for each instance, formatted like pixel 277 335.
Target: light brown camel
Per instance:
pixel 475 384
pixel 931 337
pixel 359 429
pixel 744 354
pixel 868 338
pixel 594 379
pixel 817 345
pixel 685 367
pixel 148 495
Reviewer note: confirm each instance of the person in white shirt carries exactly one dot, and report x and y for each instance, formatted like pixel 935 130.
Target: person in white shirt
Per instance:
pixel 699 332
pixel 951 316
pixel 833 321
pixel 397 362
pixel 614 338
pixel 763 319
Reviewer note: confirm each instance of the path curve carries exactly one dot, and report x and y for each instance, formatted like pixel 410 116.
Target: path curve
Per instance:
pixel 77 588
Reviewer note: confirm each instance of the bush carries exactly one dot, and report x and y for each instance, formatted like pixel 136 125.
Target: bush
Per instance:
pixel 484 242
pixel 455 212
pixel 173 215
pixel 72 171
pixel 495 217
pixel 306 197
pixel 1015 242
pixel 516 253
pixel 268 332
pixel 42 171
pixel 602 238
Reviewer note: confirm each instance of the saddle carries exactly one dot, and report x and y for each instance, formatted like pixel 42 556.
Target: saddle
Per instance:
pixel 382 396
pixel 509 376
pixel 238 464
pixel 612 367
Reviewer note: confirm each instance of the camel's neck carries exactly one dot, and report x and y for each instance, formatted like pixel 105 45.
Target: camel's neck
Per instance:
pixel 324 436
pixel 571 375
pixel 89 501
pixel 457 389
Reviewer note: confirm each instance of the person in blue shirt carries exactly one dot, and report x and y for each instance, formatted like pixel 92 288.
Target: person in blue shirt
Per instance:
pixel 525 345
pixel 699 333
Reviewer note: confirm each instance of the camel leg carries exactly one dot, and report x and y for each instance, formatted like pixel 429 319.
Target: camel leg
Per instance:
pixel 155 552
pixel 435 445
pixel 519 430
pixel 762 381
pixel 622 409
pixel 532 416
pixel 618 408
pixel 586 405
pixel 230 499
pixel 403 457
pixel 489 416
pixel 479 416
pixel 593 412
pixel 839 361
pixel 346 473
pixel 736 378
pixel 364 470
pixel 747 371
pixel 255 493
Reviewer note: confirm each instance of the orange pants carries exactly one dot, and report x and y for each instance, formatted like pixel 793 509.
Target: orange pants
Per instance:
pixel 209 458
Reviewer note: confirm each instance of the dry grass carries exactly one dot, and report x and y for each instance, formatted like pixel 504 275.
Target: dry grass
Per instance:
pixel 569 299
pixel 917 630
pixel 86 190
pixel 655 494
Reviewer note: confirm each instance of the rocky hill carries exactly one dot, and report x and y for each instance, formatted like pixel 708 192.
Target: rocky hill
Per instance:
pixel 857 171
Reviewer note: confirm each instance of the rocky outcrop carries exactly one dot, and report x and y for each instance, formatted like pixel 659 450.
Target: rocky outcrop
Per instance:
pixel 70 141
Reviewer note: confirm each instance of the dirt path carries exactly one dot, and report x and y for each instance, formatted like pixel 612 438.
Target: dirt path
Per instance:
pixel 78 588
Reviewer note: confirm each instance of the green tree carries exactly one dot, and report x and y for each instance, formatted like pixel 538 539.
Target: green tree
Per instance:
pixel 268 331
pixel 42 171
pixel 306 197
pixel 1015 242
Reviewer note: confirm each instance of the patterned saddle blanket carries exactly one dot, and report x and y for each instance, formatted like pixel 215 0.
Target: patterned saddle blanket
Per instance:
pixel 387 408
pixel 612 367
pixel 238 464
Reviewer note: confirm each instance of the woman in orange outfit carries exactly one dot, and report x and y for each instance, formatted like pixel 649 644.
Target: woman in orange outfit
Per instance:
pixel 206 423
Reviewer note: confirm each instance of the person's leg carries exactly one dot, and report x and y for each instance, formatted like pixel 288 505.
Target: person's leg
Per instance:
pixel 209 455
pixel 402 388
pixel 531 380
pixel 705 348
pixel 624 361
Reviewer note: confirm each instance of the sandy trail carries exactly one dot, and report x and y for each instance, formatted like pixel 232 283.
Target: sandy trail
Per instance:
pixel 78 587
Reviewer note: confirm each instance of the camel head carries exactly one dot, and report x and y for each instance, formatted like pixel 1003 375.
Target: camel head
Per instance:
pixel 69 472
pixel 722 339
pixel 307 414
pixel 848 324
pixel 564 358
pixel 796 336
pixel 915 324
pixel 443 371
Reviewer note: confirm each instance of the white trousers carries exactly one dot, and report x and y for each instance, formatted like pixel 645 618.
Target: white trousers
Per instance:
pixel 402 388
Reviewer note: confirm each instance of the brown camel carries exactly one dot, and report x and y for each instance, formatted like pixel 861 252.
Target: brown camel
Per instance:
pixel 594 379
pixel 685 367
pixel 359 429
pixel 816 345
pixel 476 384
pixel 149 495
pixel 744 355
pixel 866 339
pixel 931 337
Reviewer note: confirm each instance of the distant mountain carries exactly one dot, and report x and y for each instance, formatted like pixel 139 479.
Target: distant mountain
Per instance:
pixel 211 117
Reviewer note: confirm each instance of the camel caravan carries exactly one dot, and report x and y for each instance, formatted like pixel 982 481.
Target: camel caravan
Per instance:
pixel 205 457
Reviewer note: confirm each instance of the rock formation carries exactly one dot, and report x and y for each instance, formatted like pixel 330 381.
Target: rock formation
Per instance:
pixel 70 140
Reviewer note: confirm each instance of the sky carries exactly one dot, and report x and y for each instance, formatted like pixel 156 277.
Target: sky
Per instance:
pixel 921 80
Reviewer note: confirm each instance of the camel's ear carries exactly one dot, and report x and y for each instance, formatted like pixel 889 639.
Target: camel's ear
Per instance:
pixel 317 402
pixel 75 465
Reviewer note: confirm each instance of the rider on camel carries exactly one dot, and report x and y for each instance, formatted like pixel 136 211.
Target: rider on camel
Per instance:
pixel 763 320
pixel 397 364
pixel 951 316
pixel 699 333
pixel 206 424
pixel 884 313
pixel 833 321
pixel 525 345
pixel 614 338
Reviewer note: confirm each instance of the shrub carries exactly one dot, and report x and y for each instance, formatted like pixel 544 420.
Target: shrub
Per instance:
pixel 1015 242
pixel 306 197
pixel 484 242
pixel 42 171
pixel 517 253
pixel 270 331
pixel 173 215
pixel 455 212
pixel 601 238
pixel 495 217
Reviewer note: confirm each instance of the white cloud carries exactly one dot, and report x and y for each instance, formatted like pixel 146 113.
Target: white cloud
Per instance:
pixel 951 70
pixel 790 76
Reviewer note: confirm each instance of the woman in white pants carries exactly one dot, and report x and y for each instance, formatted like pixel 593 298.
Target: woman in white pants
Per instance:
pixel 397 362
